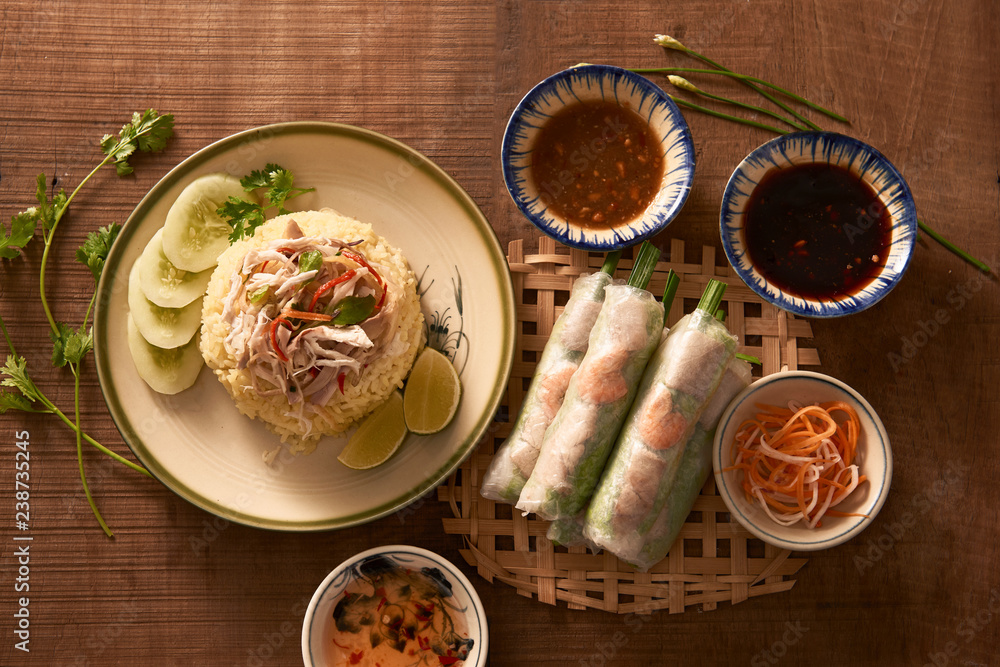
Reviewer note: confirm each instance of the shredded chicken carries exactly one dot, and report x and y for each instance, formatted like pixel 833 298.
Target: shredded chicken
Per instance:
pixel 281 319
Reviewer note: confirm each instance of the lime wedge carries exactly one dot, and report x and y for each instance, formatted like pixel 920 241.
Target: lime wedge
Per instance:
pixel 430 399
pixel 378 437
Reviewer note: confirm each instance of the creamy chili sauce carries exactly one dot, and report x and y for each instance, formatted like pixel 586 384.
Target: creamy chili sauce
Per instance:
pixel 393 616
pixel 597 164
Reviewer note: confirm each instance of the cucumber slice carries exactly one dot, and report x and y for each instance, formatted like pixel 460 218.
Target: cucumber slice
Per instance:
pixel 194 235
pixel 163 283
pixel 166 328
pixel 165 371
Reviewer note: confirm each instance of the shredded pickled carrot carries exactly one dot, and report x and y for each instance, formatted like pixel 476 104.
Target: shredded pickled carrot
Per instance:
pixel 799 463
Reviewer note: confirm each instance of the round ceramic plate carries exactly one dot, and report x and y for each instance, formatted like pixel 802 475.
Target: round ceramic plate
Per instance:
pixel 201 447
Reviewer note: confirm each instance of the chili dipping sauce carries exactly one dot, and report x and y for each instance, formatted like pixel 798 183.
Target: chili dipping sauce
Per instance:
pixel 817 231
pixel 597 164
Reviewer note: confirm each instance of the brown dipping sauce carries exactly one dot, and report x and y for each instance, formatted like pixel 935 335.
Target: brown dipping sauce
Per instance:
pixel 597 164
pixel 817 231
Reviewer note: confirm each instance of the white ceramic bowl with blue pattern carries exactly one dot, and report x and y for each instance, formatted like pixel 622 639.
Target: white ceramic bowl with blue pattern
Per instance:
pixel 874 457
pixel 588 83
pixel 820 147
pixel 394 599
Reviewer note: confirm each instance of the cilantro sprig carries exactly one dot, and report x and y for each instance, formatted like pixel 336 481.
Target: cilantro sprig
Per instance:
pixel 146 132
pixel 246 216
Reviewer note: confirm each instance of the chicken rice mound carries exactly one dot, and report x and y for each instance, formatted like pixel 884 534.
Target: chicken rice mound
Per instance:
pixel 311 323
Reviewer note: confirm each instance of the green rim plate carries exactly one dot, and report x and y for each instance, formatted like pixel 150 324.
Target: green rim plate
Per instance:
pixel 203 449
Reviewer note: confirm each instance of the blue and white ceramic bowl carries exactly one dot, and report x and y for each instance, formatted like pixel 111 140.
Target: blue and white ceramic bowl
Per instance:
pixel 874 459
pixel 598 82
pixel 361 591
pixel 813 147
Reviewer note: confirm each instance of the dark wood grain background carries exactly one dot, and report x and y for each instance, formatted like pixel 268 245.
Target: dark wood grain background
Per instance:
pixel 176 586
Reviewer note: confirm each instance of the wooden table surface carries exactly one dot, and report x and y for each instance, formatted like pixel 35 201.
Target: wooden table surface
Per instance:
pixel 919 80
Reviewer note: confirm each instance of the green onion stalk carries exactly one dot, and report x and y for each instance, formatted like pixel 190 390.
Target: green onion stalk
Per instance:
pixel 758 85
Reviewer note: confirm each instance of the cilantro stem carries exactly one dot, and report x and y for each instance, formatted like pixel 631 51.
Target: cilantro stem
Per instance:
pixel 79 450
pixel 10 343
pixel 48 236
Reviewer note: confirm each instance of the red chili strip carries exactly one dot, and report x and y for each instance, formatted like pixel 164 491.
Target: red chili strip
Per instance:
pixel 340 382
pixel 358 259
pixel 361 261
pixel 327 286
pixel 278 321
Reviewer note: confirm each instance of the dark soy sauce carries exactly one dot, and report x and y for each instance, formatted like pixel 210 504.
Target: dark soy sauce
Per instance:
pixel 817 231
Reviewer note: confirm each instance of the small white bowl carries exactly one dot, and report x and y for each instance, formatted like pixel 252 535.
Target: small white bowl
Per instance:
pixel 874 459
pixel 587 83
pixel 318 649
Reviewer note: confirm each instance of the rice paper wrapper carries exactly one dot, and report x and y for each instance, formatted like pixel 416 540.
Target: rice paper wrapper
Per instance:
pixel 515 459
pixel 568 532
pixel 577 443
pixel 693 470
pixel 676 388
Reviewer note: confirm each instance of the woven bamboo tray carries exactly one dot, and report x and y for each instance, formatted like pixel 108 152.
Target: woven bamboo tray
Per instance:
pixel 715 559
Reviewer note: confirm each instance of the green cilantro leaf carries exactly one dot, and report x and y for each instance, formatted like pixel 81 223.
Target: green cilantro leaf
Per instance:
pixel 15 374
pixel 48 212
pixel 22 230
pixel 147 132
pixel 11 401
pixel 69 346
pixel 244 217
pixel 94 251
pixel 258 178
pixel 279 183
pixel 24 224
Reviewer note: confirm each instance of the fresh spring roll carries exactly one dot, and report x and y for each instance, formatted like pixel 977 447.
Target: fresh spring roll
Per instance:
pixel 577 443
pixel 681 377
pixel 513 462
pixel 568 532
pixel 695 465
